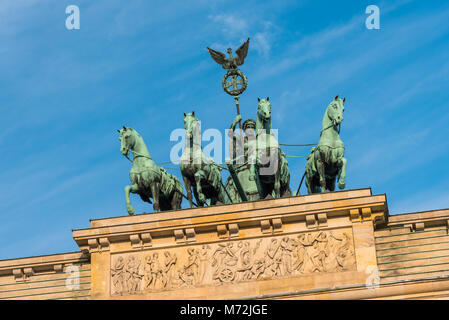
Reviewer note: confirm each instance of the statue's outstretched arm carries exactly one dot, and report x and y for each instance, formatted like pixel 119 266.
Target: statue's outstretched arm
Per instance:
pixel 237 119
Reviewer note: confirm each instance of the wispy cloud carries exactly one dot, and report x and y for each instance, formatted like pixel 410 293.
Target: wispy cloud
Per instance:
pixel 230 24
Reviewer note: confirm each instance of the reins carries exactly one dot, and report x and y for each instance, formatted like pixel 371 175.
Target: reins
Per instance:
pixel 330 126
pixel 136 155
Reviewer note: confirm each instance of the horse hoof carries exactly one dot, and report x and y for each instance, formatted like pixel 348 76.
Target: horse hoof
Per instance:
pixel 341 185
pixel 130 211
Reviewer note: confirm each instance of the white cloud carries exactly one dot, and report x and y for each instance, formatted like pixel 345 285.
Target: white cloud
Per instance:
pixel 230 25
pixel 261 43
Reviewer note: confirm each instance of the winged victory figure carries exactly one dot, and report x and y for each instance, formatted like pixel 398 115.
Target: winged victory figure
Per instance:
pixel 231 62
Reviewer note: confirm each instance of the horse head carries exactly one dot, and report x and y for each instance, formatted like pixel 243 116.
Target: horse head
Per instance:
pixel 192 126
pixel 127 140
pixel 335 110
pixel 264 109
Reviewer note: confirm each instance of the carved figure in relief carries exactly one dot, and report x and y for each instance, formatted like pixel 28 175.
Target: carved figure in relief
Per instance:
pixel 317 257
pixel 321 237
pixel 246 261
pixel 157 271
pixel 300 253
pixel 258 268
pixel 224 260
pixel 190 274
pixel 118 275
pixel 148 276
pixel 169 270
pixel 286 247
pixel 275 259
pixel 345 254
pixel 155 276
pixel 204 260
pixel 133 274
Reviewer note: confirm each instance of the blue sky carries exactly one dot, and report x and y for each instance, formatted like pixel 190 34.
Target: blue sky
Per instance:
pixel 144 63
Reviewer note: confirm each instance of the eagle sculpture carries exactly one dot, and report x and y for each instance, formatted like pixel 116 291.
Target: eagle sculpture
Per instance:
pixel 231 62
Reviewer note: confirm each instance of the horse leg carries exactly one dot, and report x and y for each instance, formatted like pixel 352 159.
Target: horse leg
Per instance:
pixel 320 168
pixel 199 190
pixel 155 192
pixel 341 182
pixel 176 199
pixel 188 189
pixel 133 189
pixel 308 175
pixel 310 184
pixel 177 196
pixel 277 182
pixel 306 180
pixel 221 194
pixel 331 183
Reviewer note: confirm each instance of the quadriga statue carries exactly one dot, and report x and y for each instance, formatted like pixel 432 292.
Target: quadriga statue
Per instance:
pixel 326 162
pixel 199 172
pixel 147 179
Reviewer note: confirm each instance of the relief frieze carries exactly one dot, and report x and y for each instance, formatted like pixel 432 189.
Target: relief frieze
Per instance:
pixel 232 262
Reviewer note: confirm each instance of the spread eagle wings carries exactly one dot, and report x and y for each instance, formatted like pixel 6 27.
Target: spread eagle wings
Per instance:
pixel 241 52
pixel 220 57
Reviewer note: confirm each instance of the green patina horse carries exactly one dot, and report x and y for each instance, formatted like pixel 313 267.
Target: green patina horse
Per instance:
pixel 147 179
pixel 268 152
pixel 199 172
pixel 326 162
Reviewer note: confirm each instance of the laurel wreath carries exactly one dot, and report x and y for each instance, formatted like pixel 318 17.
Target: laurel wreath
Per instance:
pixel 235 92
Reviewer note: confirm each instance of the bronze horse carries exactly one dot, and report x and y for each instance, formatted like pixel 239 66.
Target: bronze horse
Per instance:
pixel 268 152
pixel 326 162
pixel 199 173
pixel 147 179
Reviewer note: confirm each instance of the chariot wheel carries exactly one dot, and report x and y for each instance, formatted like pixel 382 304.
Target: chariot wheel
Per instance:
pixel 227 275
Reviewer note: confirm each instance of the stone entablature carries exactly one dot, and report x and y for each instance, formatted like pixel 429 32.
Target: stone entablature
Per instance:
pixel 57 276
pixel 255 247
pixel 26 267
pixel 169 228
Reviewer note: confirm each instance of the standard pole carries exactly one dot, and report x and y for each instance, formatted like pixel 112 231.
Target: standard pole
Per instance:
pixel 236 98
